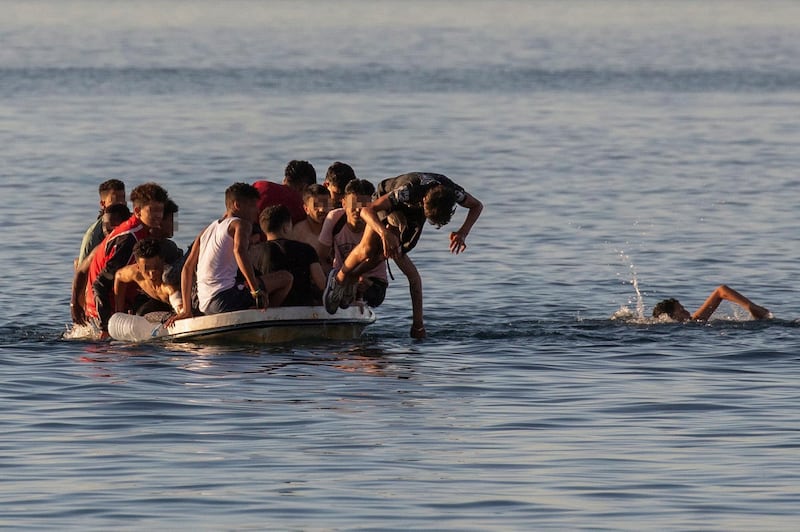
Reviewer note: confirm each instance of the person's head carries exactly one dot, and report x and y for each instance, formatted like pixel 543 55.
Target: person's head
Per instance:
pixel 241 200
pixel 256 236
pixel 275 219
pixel 147 253
pixel 336 179
pixel 357 194
pixel 168 224
pixel 299 174
pixel 113 215
pixel 316 202
pixel 672 308
pixel 148 204
pixel 439 205
pixel 111 192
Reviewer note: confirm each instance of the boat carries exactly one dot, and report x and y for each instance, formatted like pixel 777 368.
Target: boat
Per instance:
pixel 253 326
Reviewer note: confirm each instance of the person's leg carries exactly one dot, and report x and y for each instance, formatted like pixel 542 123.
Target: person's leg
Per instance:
pixel 368 251
pixel 277 285
pixel 341 286
pixel 232 299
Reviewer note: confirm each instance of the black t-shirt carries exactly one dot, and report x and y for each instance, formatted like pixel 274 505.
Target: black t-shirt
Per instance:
pixel 406 193
pixel 296 258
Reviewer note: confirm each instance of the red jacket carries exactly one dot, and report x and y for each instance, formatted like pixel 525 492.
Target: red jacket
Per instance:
pixel 113 253
pixel 276 194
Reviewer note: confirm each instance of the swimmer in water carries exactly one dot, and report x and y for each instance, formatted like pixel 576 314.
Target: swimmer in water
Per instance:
pixel 676 311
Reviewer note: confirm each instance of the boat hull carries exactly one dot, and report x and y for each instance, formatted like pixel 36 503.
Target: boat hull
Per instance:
pixel 274 325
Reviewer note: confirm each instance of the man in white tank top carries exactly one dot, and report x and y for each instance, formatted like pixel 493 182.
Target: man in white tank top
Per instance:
pixel 226 280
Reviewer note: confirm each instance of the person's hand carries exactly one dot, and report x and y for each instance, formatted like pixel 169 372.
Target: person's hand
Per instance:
pixel 391 245
pixel 457 242
pixel 261 299
pixel 175 317
pixel 418 330
pixel 78 313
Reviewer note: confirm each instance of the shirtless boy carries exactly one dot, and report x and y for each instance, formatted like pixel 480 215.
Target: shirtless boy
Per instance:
pixel 146 273
pixel 220 252
pixel 677 312
pixel 316 202
pixel 407 201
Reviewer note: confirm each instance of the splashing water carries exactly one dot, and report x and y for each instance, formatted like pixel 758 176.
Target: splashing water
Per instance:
pixel 634 281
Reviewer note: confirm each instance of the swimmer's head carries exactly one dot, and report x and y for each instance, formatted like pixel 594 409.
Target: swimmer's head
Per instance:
pixel 672 308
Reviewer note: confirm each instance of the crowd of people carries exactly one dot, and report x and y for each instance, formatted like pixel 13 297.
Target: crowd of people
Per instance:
pixel 294 243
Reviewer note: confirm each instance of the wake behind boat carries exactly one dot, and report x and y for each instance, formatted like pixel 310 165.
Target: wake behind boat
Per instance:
pixel 274 325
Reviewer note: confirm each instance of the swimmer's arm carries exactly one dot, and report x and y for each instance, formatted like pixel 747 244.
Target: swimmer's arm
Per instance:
pixel 729 294
pixel 458 238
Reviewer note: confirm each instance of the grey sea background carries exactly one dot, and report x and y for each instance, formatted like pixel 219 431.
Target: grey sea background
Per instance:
pixel 625 151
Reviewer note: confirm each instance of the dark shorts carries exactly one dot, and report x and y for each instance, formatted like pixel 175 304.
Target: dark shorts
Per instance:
pixel 233 298
pixel 407 231
pixel 376 293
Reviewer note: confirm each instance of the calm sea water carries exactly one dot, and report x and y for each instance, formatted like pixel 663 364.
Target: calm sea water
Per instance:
pixel 625 152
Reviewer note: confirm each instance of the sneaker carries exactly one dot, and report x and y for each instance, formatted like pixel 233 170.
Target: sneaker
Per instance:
pixel 348 295
pixel 333 293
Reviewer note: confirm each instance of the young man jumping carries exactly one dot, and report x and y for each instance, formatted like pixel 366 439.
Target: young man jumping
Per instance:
pixel 394 222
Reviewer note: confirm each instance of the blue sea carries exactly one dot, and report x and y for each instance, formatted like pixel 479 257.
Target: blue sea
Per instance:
pixel 625 152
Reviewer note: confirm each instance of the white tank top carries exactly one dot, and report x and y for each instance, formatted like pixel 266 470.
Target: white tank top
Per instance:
pixel 216 265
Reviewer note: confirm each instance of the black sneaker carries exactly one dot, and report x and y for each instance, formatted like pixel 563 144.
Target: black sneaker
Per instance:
pixel 333 293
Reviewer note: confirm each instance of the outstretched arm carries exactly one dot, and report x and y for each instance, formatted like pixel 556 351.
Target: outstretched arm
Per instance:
pixel 77 303
pixel 458 238
pixel 241 233
pixel 415 287
pixel 725 292
pixel 187 280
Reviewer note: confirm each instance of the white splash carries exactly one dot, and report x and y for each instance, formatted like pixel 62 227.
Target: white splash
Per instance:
pixel 634 281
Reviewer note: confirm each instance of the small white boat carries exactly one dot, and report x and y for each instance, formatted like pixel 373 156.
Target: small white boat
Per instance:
pixel 274 325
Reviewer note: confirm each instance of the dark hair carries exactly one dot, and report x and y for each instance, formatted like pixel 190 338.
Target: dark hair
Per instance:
pixel 147 193
pixel 111 184
pixel 359 187
pixel 299 174
pixel 170 207
pixel 119 210
pixel 274 217
pixel 439 205
pixel 339 174
pixel 239 192
pixel 666 306
pixel 313 191
pixel 147 249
